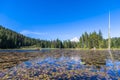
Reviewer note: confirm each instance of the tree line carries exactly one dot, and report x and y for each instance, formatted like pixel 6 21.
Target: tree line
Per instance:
pixel 12 39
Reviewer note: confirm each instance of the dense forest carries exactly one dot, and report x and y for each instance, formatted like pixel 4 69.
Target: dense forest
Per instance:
pixel 12 39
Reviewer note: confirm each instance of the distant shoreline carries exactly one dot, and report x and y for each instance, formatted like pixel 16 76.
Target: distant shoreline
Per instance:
pixel 60 48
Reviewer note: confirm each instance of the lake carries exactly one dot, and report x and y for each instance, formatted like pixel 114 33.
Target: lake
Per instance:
pixel 17 50
pixel 63 64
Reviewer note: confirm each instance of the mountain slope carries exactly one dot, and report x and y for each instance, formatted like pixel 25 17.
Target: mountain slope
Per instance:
pixel 75 39
pixel 12 39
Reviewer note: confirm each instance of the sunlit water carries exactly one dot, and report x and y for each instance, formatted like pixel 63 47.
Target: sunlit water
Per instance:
pixel 113 68
pixel 18 50
pixel 50 65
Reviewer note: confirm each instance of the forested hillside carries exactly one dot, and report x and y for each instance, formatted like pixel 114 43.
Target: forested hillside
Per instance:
pixel 12 39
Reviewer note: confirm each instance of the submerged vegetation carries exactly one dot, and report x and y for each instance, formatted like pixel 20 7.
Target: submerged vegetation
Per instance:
pixel 12 39
pixel 58 65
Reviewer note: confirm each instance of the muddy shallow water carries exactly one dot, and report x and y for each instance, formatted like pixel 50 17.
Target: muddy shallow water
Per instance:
pixel 59 64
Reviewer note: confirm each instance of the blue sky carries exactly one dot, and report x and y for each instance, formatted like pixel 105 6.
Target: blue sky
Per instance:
pixel 63 19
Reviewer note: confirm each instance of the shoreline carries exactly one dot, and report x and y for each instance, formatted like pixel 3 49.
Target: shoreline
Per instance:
pixel 104 49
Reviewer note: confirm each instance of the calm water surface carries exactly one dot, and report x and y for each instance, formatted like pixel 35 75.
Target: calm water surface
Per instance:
pixel 50 64
pixel 43 50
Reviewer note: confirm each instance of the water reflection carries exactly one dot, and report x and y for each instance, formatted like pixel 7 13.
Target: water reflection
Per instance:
pixel 113 68
pixel 10 50
pixel 51 62
pixel 61 67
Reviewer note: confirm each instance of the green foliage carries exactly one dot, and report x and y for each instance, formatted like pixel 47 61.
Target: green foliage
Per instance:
pixel 92 40
pixel 115 42
pixel 12 39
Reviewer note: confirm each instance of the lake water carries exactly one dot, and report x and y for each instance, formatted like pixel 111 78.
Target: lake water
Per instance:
pixel 43 50
pixel 60 67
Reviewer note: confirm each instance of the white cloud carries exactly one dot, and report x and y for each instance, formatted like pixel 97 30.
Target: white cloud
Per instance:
pixel 26 32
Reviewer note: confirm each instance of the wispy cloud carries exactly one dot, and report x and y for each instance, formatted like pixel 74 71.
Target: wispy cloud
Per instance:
pixel 26 32
pixel 47 35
